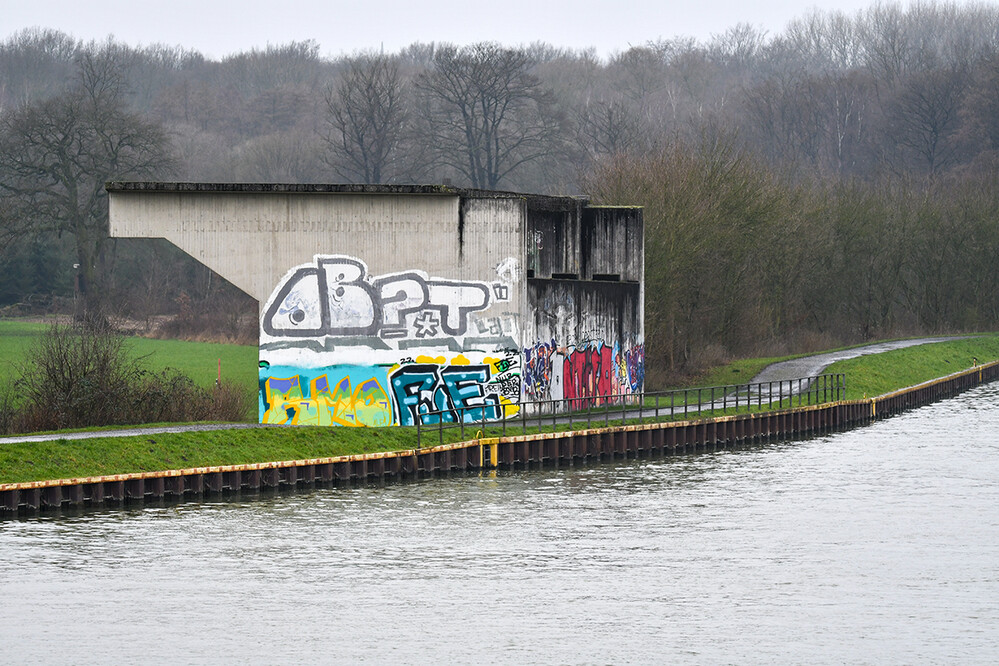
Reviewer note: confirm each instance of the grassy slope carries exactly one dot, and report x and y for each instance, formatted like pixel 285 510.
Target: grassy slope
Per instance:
pixel 882 373
pixel 118 455
pixel 871 375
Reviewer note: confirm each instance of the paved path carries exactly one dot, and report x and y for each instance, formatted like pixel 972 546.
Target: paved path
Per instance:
pixel 809 366
pixel 806 366
pixel 131 432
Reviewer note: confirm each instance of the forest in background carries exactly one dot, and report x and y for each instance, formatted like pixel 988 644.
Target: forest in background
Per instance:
pixel 829 184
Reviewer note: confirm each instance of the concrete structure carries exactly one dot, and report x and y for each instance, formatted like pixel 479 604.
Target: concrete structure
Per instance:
pixel 379 304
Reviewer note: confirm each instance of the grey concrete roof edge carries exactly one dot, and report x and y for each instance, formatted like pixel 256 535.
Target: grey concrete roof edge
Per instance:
pixel 337 188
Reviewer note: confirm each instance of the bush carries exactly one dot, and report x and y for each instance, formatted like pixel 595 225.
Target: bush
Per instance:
pixel 79 377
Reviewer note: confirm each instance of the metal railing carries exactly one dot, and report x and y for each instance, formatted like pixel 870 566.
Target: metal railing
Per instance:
pixel 620 408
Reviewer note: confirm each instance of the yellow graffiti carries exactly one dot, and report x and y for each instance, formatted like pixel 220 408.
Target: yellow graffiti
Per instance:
pixel 510 408
pixel 437 360
pixel 282 393
pixel 366 405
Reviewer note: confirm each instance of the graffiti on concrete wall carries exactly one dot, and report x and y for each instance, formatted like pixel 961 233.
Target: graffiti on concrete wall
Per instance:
pixel 459 390
pixel 345 395
pixel 335 345
pixel 364 396
pixel 583 373
pixel 335 296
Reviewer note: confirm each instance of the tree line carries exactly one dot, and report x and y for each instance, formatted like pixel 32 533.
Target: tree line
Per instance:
pixel 830 183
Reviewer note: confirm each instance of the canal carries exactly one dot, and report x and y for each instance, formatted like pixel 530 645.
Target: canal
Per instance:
pixel 875 545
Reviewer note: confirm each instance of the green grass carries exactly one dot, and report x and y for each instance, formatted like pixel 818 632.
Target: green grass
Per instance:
pixel 878 374
pixel 60 459
pixel 200 360
pixel 197 360
pixel 15 339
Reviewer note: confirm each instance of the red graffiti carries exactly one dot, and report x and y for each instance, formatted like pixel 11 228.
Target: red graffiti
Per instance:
pixel 589 373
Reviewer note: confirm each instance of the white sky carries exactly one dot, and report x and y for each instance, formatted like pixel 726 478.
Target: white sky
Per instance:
pixel 218 28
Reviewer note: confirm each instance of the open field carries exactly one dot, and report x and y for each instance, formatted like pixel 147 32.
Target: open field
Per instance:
pixel 197 360
pixel 870 375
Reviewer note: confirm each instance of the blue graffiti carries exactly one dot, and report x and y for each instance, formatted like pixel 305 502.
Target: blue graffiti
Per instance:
pixel 456 391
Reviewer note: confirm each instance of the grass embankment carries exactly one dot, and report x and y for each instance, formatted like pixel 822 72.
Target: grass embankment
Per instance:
pixel 871 375
pixel 61 459
pixel 878 374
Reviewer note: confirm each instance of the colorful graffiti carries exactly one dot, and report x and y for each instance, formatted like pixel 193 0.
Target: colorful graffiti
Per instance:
pixel 355 397
pixel 583 373
pixel 460 391
pixel 334 341
pixel 335 296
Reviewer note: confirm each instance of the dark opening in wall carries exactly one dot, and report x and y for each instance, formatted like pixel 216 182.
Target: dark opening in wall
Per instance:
pixel 607 277
pixel 565 276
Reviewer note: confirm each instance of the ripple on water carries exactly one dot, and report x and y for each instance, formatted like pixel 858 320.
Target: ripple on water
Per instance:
pixel 878 544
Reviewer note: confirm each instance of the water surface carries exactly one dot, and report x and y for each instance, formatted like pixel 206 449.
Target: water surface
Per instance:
pixel 876 545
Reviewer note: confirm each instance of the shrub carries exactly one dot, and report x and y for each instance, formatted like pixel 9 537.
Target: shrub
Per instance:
pixel 82 376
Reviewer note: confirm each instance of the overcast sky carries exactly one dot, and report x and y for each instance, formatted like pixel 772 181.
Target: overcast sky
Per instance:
pixel 218 28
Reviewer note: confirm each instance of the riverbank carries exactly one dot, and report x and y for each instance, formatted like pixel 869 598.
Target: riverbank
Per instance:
pixel 154 452
pixel 484 453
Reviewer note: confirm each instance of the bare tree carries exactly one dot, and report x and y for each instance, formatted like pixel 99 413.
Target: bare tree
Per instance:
pixel 925 115
pixel 606 127
pixel 56 155
pixel 487 114
pixel 365 120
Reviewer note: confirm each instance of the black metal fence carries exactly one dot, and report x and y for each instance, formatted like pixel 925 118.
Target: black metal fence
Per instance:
pixel 603 410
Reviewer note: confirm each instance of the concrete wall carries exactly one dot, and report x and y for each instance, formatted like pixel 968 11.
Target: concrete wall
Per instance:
pixel 585 334
pixel 374 305
pixel 253 237
pixel 379 304
pixel 345 344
